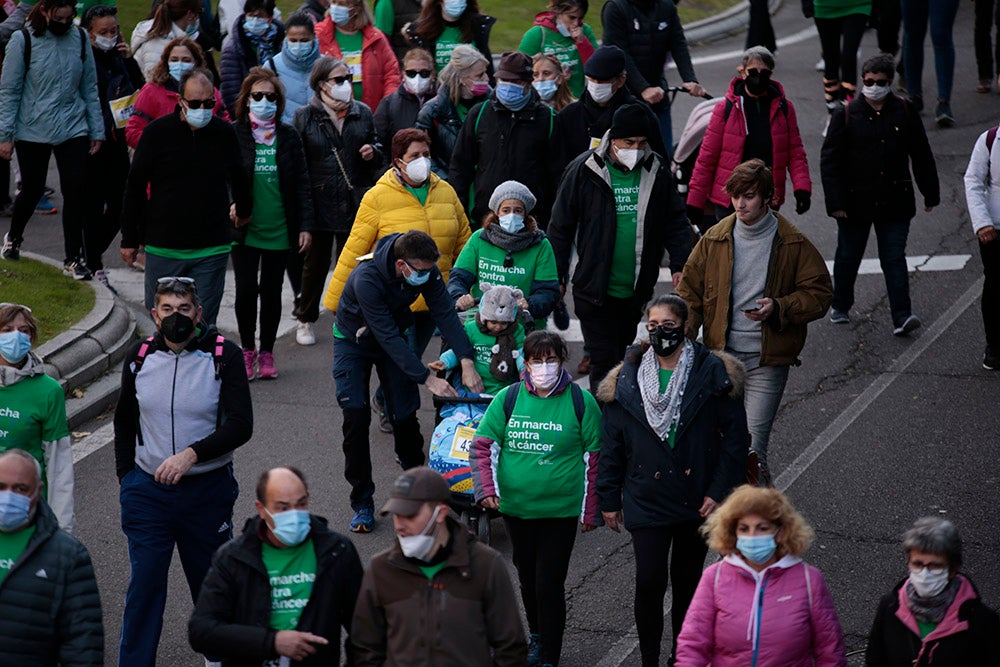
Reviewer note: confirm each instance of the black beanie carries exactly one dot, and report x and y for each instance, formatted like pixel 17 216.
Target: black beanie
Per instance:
pixel 605 63
pixel 632 120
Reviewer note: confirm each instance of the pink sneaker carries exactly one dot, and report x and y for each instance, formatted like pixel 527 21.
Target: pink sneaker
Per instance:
pixel 249 360
pixel 267 369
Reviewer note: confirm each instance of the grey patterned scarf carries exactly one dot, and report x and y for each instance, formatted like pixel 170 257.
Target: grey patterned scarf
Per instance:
pixel 663 410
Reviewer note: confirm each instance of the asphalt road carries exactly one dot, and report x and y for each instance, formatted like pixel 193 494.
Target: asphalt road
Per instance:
pixel 874 431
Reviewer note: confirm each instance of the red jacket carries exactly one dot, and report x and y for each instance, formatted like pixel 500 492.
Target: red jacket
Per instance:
pixel 722 150
pixel 154 101
pixel 379 67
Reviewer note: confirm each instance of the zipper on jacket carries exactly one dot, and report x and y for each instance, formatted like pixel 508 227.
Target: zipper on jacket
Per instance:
pixel 760 614
pixel 173 394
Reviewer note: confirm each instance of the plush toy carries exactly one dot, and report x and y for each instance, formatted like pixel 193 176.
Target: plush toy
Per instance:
pixel 499 304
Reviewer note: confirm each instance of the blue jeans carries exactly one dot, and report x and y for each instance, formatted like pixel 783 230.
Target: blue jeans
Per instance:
pixel 196 515
pixel 941 16
pixel 852 237
pixel 761 398
pixel 209 275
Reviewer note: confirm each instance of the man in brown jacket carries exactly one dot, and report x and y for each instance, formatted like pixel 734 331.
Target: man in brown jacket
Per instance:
pixel 754 282
pixel 438 596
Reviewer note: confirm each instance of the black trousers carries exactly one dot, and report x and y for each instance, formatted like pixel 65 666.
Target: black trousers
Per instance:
pixel 889 17
pixel 986 18
pixel 607 330
pixel 315 268
pixel 271 264
pixel 840 38
pixel 71 161
pixel 652 547
pixel 760 32
pixel 541 552
pixel 990 252
pixel 104 188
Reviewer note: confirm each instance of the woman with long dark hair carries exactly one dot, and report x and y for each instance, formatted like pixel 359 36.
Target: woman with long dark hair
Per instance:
pixel 170 20
pixel 444 24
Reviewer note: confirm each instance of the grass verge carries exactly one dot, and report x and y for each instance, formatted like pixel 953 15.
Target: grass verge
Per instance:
pixel 57 302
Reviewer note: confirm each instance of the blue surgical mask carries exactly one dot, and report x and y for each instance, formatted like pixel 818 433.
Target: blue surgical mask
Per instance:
pixel 563 30
pixel 255 25
pixel 291 527
pixel 300 50
pixel 512 223
pixel 512 95
pixel 263 109
pixel 455 8
pixel 14 346
pixel 756 548
pixel 15 511
pixel 198 118
pixel 340 14
pixel 417 278
pixel 192 31
pixel 546 89
pixel 177 69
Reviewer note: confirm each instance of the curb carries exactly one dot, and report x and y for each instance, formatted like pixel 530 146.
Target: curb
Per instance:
pixel 724 24
pixel 85 356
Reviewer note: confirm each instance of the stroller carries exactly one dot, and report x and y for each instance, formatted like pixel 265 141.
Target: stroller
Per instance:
pixel 686 152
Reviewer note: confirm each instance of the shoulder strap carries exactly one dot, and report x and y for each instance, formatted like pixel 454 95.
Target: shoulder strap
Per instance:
pixel 217 354
pixel 991 136
pixel 579 407
pixel 27 49
pixel 479 115
pixel 510 399
pixel 140 356
pixel 552 120
pixel 270 63
pixel 729 110
pixel 809 588
pixel 84 43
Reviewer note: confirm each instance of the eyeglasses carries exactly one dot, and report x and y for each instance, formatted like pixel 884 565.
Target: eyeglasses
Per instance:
pixel 653 326
pixel 423 73
pixel 419 273
pixel 199 104
pixel 753 71
pixel 9 304
pixel 172 282
pixel 257 96
pixel 339 79
pixel 881 83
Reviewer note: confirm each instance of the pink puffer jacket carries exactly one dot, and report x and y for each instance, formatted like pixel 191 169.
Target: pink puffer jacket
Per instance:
pixel 722 150
pixel 782 617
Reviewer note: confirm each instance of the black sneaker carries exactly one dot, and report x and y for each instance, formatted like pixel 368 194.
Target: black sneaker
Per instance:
pixel 909 324
pixel 942 115
pixel 384 424
pixel 77 269
pixel 11 250
pixel 991 361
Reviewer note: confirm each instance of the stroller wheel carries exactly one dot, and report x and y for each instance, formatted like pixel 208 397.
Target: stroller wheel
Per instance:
pixel 482 527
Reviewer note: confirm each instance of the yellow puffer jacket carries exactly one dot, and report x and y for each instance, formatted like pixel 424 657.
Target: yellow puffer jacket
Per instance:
pixel 389 208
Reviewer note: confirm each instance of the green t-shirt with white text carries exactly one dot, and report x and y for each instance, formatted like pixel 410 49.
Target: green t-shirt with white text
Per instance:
pixel 268 227
pixel 625 185
pixel 350 51
pixel 32 411
pixel 12 545
pixel 291 572
pixel 450 37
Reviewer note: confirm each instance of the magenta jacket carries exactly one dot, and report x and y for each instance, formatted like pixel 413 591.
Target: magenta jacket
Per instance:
pixel 722 150
pixel 781 617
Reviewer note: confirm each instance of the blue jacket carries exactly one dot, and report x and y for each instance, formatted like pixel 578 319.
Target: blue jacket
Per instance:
pixel 294 75
pixel 55 98
pixel 376 303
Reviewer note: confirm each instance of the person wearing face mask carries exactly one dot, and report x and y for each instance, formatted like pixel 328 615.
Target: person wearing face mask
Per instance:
pixel 756 120
pixel 935 616
pixel 761 604
pixel 50 604
pixel 472 616
pixel 618 205
pixel 514 113
pixel 283 217
pixel 293 63
pixel 399 110
pixel 870 149
pixel 255 38
pixel 463 84
pixel 509 250
pixel 170 20
pixel 534 458
pixel 187 174
pixel 40 427
pixel 161 94
pixel 559 31
pixel 444 25
pixel 671 406
pixel 284 589
pixel 184 407
pixel 550 81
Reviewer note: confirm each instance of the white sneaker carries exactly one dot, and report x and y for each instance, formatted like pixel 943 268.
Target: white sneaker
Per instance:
pixel 304 334
pixel 820 65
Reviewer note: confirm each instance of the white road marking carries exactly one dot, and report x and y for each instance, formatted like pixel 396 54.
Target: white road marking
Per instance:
pixel 93 442
pixel 800 36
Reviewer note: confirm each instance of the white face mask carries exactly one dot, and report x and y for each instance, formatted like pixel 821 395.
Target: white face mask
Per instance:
pixel 418 546
pixel 628 157
pixel 875 93
pixel 339 92
pixel 418 170
pixel 106 43
pixel 417 84
pixel 600 92
pixel 928 583
pixel 545 375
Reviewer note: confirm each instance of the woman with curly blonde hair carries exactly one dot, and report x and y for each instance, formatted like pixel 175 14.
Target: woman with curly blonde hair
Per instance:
pixel 761 604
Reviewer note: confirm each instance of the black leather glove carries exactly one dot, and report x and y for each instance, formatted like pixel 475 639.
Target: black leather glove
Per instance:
pixel 695 215
pixel 802 201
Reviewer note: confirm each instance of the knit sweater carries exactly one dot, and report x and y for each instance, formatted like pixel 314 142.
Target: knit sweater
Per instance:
pixel 751 253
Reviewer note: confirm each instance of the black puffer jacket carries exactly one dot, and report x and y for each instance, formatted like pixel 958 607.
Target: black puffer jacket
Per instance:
pixel 231 617
pixel 481 27
pixel 439 119
pixel 647 30
pixel 639 474
pixel 51 607
pixel 293 177
pixel 866 161
pixel 397 112
pixel 497 145
pixel 335 201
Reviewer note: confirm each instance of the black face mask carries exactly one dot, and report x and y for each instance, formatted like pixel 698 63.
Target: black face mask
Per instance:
pixel 58 29
pixel 757 85
pixel 665 340
pixel 177 328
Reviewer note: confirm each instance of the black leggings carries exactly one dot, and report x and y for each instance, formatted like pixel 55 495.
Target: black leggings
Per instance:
pixel 651 547
pixel 986 18
pixel 104 189
pixel 71 160
pixel 840 39
pixel 542 548
pixel 315 269
pixel 246 261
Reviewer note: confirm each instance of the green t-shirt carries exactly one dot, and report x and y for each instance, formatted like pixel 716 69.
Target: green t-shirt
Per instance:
pixel 450 37
pixel 835 9
pixel 664 381
pixel 539 39
pixel 540 470
pixel 32 411
pixel 482 345
pixel 268 228
pixel 385 17
pixel 485 261
pixel 291 572
pixel 12 546
pixel 623 260
pixel 420 193
pixel 83 5
pixel 430 571
pixel 350 51
pixel 462 109
pixel 188 253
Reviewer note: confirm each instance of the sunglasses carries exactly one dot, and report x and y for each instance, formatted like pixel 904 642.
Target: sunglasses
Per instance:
pixel 339 79
pixel 417 273
pixel 424 73
pixel 753 71
pixel 258 96
pixel 200 104
pixel 881 83
pixel 8 304
pixel 171 282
